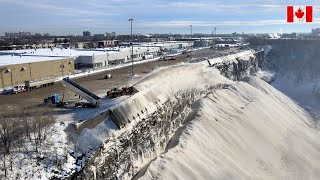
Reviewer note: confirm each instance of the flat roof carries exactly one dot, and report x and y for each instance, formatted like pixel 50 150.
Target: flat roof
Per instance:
pixel 56 52
pixel 10 57
pixel 12 60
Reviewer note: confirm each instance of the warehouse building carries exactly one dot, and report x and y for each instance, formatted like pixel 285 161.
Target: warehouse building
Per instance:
pixel 87 58
pixel 16 69
pixel 17 66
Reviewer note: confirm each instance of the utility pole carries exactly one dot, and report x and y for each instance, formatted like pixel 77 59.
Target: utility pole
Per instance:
pixel 215 31
pixel 131 20
pixel 11 71
pixel 191 41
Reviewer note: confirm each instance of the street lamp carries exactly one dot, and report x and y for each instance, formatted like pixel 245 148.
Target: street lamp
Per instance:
pixel 62 69
pixel 131 20
pixel 191 41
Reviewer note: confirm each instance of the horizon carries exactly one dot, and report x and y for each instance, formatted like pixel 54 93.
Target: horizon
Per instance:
pixel 159 17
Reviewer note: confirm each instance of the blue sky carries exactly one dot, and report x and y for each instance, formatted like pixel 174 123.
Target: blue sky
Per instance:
pixel 151 16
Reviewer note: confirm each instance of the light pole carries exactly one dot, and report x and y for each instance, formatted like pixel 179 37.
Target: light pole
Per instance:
pixel 11 71
pixel 131 20
pixel 191 42
pixel 62 69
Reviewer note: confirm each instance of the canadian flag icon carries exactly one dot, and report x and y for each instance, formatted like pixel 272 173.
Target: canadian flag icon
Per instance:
pixel 299 14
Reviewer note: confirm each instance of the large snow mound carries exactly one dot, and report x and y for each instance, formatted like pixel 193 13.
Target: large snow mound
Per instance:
pixel 247 131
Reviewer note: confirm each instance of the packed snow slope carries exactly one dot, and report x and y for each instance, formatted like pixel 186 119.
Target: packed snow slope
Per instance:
pixel 296 64
pixel 249 130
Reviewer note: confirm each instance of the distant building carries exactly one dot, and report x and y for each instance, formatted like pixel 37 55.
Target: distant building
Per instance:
pixel 110 35
pixel 98 35
pixel 46 34
pixel 18 34
pixel 289 36
pixel 86 33
pixel 108 43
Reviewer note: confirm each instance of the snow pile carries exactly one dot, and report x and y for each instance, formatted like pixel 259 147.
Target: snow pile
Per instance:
pixel 266 75
pixel 161 85
pixel 244 132
pixel 244 55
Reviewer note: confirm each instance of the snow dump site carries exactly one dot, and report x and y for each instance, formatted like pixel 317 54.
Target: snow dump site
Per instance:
pixel 188 121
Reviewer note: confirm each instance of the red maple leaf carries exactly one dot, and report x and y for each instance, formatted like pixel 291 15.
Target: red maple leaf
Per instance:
pixel 299 13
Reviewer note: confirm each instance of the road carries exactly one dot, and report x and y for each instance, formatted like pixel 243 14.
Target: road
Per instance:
pixel 96 82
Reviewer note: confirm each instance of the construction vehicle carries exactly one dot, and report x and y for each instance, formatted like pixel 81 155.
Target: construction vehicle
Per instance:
pixel 93 99
pixel 54 99
pixel 117 92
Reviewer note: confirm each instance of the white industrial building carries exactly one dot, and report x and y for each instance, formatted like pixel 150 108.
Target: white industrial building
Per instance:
pixel 94 58
pixel 85 58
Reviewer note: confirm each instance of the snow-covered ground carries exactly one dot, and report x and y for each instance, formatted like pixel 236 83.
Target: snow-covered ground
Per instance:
pixel 248 131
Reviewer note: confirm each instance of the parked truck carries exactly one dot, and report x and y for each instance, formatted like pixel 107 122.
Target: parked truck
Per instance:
pixel 54 100
pixel 30 85
pixel 18 89
pixel 169 57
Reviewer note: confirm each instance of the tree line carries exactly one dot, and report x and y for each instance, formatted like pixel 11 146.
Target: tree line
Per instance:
pixel 22 131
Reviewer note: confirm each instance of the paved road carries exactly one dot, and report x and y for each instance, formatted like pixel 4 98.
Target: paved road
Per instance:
pixel 96 82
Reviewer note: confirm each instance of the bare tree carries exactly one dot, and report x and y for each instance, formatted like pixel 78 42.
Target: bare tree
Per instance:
pixel 41 121
pixel 9 129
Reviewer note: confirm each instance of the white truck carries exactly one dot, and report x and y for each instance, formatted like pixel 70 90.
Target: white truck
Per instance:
pixel 18 89
pixel 169 57
pixel 30 85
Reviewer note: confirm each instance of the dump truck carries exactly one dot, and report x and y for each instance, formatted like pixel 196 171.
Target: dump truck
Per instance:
pixel 93 99
pixel 55 100
pixel 117 92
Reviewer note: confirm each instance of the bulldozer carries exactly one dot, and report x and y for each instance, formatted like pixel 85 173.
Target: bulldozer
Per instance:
pixel 117 92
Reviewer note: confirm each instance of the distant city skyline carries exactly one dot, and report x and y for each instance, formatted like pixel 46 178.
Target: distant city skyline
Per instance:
pixel 98 16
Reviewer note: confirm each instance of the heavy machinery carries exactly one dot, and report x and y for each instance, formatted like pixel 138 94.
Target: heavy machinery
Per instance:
pixel 93 99
pixel 117 92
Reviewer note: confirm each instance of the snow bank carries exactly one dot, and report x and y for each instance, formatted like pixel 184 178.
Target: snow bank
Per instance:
pixel 160 86
pixel 245 56
pixel 244 132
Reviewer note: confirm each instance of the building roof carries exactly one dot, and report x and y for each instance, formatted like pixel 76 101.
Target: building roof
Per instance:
pixel 11 60
pixel 37 55
pixel 55 52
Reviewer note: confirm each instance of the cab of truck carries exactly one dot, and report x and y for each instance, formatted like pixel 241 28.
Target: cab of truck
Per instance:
pixel 18 89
